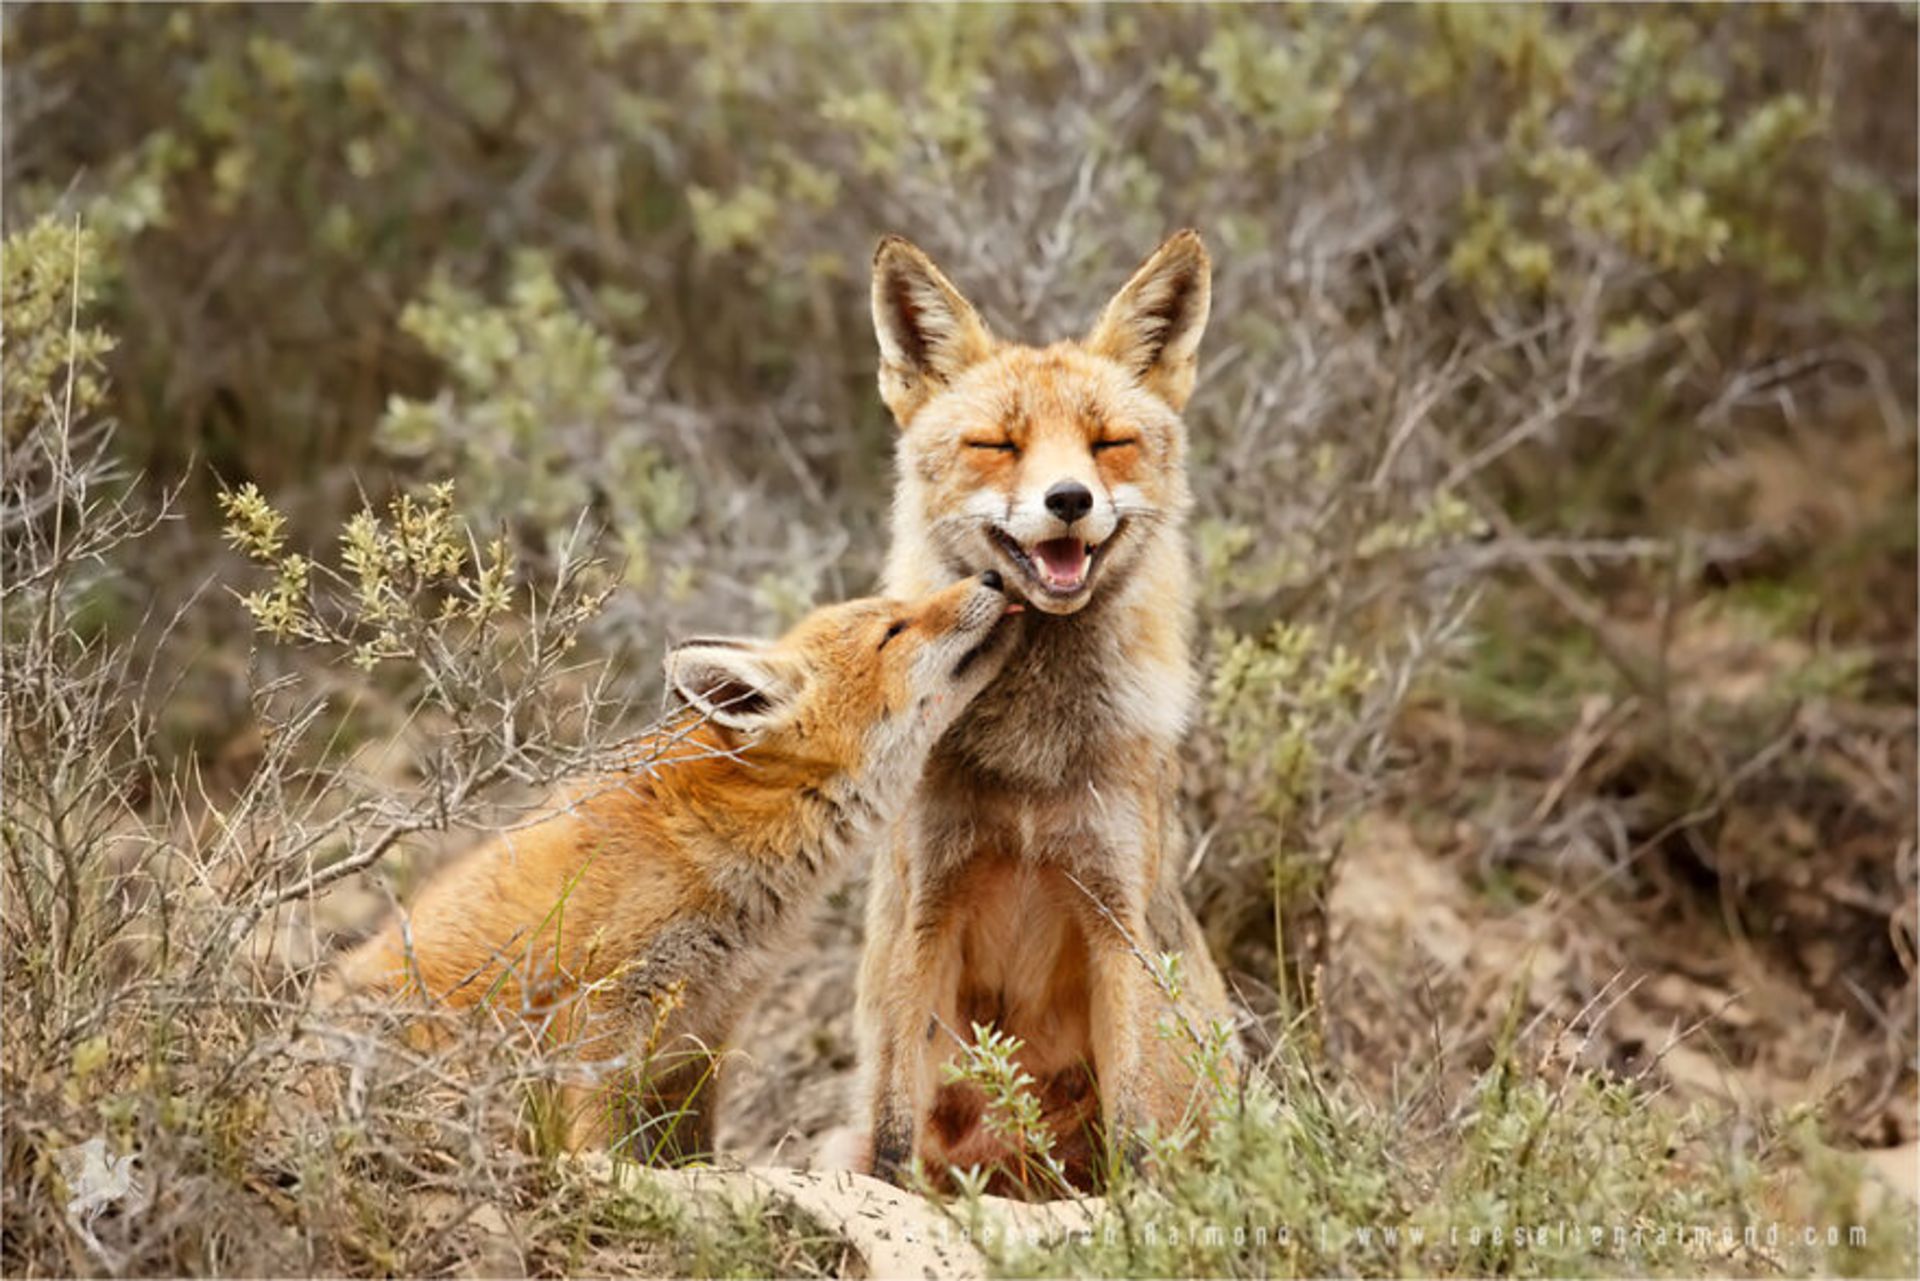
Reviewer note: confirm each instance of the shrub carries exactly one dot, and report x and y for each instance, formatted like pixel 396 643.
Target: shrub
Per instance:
pixel 159 928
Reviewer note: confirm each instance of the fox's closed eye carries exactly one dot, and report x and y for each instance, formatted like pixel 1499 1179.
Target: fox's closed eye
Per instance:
pixel 998 446
pixel 1102 446
pixel 893 630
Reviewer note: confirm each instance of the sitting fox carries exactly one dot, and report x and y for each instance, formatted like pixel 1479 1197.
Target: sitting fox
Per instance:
pixel 633 924
pixel 1034 882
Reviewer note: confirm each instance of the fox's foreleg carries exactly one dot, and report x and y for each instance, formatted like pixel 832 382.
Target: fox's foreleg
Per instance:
pixel 910 993
pixel 1113 916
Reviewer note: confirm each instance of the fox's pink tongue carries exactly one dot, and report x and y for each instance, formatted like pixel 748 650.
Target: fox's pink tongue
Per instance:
pixel 1063 563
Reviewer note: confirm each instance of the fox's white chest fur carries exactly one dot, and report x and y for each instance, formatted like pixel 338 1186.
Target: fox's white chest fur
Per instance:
pixel 1077 686
pixel 1070 693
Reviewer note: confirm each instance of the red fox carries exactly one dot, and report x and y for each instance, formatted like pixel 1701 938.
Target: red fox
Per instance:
pixel 634 923
pixel 1036 872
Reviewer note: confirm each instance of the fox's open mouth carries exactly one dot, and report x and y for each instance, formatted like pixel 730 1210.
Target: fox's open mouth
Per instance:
pixel 1059 567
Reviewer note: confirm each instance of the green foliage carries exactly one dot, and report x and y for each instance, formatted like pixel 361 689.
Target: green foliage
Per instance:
pixel 49 274
pixel 536 421
pixel 702 159
pixel 1296 1177
pixel 1655 137
pixel 1271 699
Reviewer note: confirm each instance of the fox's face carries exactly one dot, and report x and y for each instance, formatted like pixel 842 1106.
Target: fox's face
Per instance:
pixel 1056 465
pixel 864 688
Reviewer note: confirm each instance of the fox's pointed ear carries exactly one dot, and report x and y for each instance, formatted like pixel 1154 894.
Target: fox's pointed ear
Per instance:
pixel 928 333
pixel 1153 325
pixel 741 684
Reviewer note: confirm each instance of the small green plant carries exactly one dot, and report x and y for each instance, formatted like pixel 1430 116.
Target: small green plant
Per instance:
pixel 49 275
pixel 537 422
pixel 409 582
pixel 988 1062
pixel 1528 1173
pixel 1277 704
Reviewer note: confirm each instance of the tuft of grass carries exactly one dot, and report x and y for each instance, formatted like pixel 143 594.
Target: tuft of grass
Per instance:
pixel 1528 1173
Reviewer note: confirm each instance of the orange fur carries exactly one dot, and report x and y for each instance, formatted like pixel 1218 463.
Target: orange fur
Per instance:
pixel 633 922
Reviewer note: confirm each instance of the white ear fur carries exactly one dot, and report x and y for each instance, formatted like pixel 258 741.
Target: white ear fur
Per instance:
pixel 928 333
pixel 736 683
pixel 1153 325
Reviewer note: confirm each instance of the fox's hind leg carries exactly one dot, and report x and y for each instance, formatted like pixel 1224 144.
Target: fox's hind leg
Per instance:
pixel 663 1118
pixel 648 1091
pixel 877 1106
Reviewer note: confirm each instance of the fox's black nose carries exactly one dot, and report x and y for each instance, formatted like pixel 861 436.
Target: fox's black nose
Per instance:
pixel 992 579
pixel 1069 500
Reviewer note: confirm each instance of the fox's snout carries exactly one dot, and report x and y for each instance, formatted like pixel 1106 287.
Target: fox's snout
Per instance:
pixel 966 635
pixel 969 606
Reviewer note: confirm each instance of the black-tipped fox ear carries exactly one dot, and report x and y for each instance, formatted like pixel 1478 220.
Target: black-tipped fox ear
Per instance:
pixel 1153 324
pixel 928 333
pixel 737 683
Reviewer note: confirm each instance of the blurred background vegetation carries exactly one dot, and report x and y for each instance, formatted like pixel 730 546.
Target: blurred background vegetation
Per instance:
pixel 1554 443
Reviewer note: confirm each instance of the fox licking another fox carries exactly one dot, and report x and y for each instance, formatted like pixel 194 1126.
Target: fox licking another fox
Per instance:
pixel 633 925
pixel 1004 743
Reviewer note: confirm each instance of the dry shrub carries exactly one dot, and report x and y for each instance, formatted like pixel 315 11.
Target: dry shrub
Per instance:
pixel 160 929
